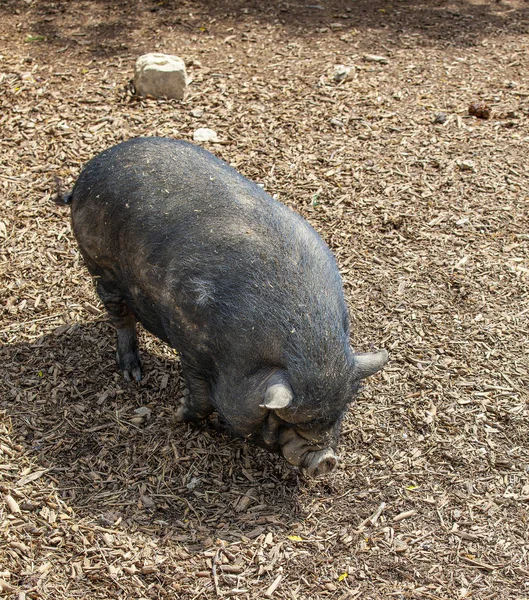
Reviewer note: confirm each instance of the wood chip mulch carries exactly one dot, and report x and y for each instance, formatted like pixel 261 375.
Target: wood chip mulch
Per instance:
pixel 426 207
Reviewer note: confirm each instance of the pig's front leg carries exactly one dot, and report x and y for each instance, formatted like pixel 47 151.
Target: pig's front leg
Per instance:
pixel 197 405
pixel 124 321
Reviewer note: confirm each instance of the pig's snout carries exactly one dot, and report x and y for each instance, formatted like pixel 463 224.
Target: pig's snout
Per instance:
pixel 320 463
pixel 312 460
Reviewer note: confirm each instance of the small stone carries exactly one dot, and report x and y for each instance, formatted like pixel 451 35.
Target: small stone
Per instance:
pixel 193 483
pixel 330 587
pixel 479 110
pixel 383 60
pixel 341 73
pixel 400 546
pixel 197 112
pixel 440 118
pixel 336 122
pixel 203 134
pixel 466 165
pixel 143 411
pixel 160 75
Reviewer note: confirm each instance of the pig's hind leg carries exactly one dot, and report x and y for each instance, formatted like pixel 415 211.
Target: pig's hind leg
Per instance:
pixel 197 405
pixel 124 321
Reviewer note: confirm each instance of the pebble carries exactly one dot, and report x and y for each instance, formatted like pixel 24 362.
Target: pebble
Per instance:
pixel 383 60
pixel 466 165
pixel 143 411
pixel 400 546
pixel 440 118
pixel 193 483
pixel 203 134
pixel 341 73
pixel 197 113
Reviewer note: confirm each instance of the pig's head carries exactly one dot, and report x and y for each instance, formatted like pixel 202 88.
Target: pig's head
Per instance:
pixel 299 419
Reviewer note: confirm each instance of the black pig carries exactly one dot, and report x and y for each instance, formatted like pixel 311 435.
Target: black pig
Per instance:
pixel 243 288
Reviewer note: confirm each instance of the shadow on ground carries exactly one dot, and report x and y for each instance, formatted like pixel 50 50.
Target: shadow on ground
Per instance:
pixel 111 26
pixel 113 448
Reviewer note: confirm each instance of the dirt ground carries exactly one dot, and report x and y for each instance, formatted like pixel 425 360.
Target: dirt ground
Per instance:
pixel 102 494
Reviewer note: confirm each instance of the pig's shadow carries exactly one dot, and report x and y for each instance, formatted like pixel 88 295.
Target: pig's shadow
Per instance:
pixel 113 448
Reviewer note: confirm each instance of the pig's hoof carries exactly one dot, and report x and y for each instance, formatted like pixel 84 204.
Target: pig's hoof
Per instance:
pixel 130 365
pixel 181 412
pixel 186 413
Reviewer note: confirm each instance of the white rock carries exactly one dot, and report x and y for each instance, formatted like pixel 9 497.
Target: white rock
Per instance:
pixel 341 72
pixel 466 165
pixel 197 113
pixel 376 58
pixel 193 483
pixel 143 411
pixel 160 75
pixel 400 545
pixel 203 134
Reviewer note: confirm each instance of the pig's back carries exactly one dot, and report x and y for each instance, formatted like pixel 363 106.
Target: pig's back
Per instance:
pixel 175 227
pixel 150 178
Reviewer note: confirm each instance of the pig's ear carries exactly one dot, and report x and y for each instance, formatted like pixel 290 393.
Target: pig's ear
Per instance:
pixel 278 394
pixel 370 363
